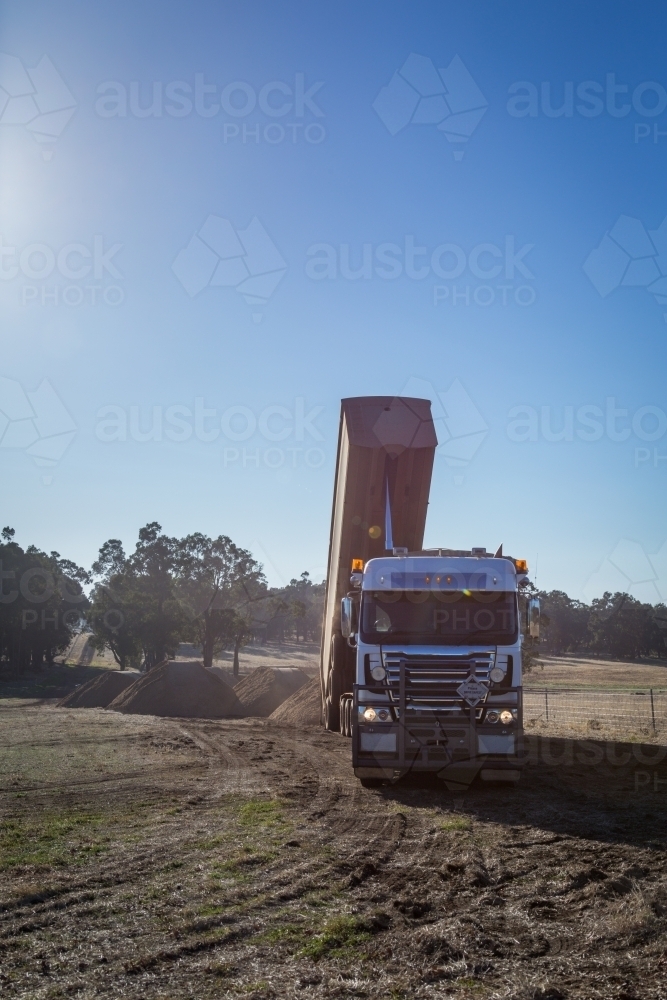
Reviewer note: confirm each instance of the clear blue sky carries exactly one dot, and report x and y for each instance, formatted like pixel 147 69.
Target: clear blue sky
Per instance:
pixel 286 132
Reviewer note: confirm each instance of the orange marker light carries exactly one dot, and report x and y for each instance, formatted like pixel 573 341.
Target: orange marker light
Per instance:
pixel 521 565
pixel 357 565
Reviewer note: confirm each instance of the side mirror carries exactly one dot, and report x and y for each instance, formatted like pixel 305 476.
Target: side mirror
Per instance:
pixel 534 617
pixel 348 617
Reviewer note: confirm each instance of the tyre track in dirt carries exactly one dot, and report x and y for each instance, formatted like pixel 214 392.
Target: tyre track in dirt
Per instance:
pixel 54 786
pixel 290 766
pixel 52 894
pixel 333 817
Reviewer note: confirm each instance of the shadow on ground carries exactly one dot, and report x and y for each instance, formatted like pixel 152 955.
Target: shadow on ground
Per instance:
pixel 601 790
pixel 50 682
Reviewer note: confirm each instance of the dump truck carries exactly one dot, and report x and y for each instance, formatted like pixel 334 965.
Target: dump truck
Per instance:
pixel 421 648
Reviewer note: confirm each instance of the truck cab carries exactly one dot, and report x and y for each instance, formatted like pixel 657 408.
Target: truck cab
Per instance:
pixel 437 685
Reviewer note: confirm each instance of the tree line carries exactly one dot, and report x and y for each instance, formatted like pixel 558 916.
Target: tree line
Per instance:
pixel 141 605
pixel 617 626
pixel 210 592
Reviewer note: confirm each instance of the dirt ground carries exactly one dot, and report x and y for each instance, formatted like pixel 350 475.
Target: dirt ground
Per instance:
pixel 51 682
pixel 579 672
pixel 163 858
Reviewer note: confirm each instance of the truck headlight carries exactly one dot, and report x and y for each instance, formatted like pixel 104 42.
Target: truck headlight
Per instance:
pixel 491 716
pixel 378 672
pixel 497 675
pixel 370 714
pixel 506 717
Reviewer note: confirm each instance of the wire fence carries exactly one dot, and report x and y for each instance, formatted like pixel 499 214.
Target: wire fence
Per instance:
pixel 627 711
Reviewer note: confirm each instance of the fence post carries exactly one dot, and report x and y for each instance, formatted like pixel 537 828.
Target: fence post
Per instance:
pixel 652 710
pixel 546 702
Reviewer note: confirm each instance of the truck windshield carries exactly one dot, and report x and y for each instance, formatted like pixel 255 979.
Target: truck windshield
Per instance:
pixel 414 617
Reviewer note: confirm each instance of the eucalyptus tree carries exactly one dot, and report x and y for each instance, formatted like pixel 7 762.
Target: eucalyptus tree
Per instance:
pixel 135 611
pixel 42 604
pixel 224 591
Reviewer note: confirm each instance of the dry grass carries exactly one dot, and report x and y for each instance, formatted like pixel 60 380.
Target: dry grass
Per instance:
pixel 305 655
pixel 582 672
pixel 592 729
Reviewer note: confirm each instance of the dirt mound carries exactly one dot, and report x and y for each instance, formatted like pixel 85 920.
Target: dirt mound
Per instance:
pixel 180 690
pixel 224 675
pixel 99 692
pixel 264 689
pixel 303 708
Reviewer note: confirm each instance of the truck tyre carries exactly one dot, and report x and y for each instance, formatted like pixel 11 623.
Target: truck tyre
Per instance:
pixel 343 715
pixel 346 715
pixel 332 702
pixel 332 716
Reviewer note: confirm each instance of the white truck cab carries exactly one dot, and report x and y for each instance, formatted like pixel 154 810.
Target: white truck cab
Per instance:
pixel 438 666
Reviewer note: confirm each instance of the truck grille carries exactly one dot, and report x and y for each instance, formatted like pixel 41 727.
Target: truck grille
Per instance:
pixel 431 681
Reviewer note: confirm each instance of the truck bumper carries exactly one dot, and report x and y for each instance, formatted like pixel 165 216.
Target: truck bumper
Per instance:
pixel 457 748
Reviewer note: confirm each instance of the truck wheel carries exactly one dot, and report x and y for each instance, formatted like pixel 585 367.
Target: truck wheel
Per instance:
pixel 346 715
pixel 332 702
pixel 332 715
pixel 343 715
